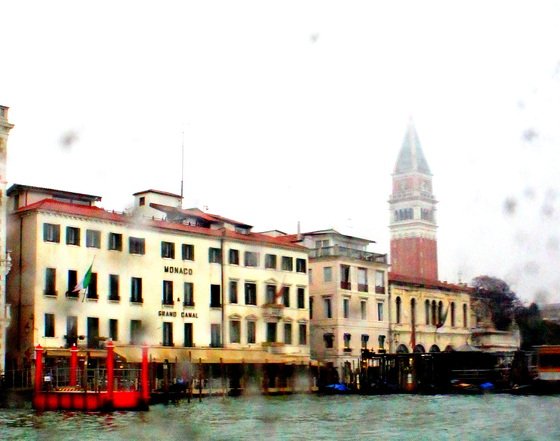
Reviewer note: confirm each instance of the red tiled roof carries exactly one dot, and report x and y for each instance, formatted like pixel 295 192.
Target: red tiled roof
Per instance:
pixel 426 283
pixel 100 213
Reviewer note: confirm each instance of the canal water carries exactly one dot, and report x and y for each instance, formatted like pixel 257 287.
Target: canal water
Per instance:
pixel 302 417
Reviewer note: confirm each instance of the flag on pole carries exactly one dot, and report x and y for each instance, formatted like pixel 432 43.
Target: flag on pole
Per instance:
pixel 443 318
pixel 84 283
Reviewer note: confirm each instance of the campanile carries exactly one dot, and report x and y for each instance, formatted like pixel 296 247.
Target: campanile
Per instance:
pixel 412 213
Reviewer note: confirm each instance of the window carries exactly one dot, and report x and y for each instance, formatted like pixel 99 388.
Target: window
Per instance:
pixel 327 274
pixel 365 339
pixel 50 282
pixel 251 259
pixel 93 238
pixel 380 282
pixel 310 307
pixel 188 290
pixel 235 331
pixel 233 291
pixel 287 263
pixel 136 245
pixel 363 309
pixel 114 329
pixel 234 257
pixel 427 311
pixel 214 255
pixel 288 333
pixel 51 233
pixel 49 325
pixel 167 334
pixel 115 241
pixel 380 312
pixel 452 313
pixel 346 307
pixel 345 277
pixel 188 335
pixel 72 282
pixel 465 322
pixel 286 296
pixel 347 338
pixel 136 290
pixel 301 298
pixel 271 328
pixel 92 287
pixel 251 332
pixel 362 280
pixel 270 261
pixel 142 201
pixel 250 293
pixel 270 294
pixel 135 332
pixel 114 287
pixel 413 312
pixel 301 265
pixel 398 310
pixel 167 292
pixel 302 334
pixel 328 309
pixel 93 332
pixel 215 335
pixel 187 251
pixel 215 300
pixel 72 236
pixel 71 330
pixel 168 250
pixel 329 340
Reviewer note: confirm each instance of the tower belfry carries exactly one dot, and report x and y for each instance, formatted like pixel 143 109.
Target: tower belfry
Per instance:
pixel 412 213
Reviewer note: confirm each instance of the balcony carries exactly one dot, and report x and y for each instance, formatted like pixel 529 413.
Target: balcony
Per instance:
pixel 363 287
pixel 346 285
pixel 380 289
pixel 339 251
pixel 273 310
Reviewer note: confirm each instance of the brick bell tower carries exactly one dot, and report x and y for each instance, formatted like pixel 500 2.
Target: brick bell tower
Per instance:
pixel 412 213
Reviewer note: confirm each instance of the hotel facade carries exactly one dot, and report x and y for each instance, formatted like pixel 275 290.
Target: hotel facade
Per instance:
pixel 193 286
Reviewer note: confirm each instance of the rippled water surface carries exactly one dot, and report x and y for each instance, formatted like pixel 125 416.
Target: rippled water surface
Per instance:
pixel 396 417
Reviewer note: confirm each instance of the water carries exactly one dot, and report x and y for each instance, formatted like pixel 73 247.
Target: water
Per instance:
pixel 398 417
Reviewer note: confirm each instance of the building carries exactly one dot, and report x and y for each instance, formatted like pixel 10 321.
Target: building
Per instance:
pixel 5 260
pixel 348 298
pixel 426 314
pixel 193 286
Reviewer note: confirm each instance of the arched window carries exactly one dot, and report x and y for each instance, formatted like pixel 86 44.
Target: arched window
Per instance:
pixel 440 313
pixel 434 312
pixel 398 311
pixel 435 348
pixel 465 317
pixel 413 311
pixel 427 311
pixel 419 349
pixel 402 349
pixel 452 313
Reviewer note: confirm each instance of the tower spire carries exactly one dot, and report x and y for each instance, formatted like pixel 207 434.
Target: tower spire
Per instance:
pixel 412 223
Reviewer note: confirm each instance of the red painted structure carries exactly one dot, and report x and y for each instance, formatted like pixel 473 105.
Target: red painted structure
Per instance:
pixel 73 398
pixel 415 257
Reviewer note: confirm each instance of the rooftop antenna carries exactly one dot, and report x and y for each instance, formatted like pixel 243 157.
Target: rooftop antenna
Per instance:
pixel 182 166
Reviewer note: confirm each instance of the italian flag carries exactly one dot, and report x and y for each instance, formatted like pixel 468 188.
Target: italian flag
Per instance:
pixel 85 281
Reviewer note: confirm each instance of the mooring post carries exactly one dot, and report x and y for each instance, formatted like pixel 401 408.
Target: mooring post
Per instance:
pixel 73 364
pixel 38 369
pixel 144 375
pixel 110 371
pixel 200 380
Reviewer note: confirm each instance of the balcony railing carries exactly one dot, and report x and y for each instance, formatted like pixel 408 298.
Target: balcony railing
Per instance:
pixel 362 287
pixel 380 289
pixel 346 285
pixel 339 251
pixel 273 310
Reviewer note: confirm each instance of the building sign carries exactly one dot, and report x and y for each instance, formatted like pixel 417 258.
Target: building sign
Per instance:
pixel 177 270
pixel 184 314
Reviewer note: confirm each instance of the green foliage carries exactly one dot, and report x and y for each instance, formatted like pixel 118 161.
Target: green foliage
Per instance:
pixel 534 330
pixel 501 300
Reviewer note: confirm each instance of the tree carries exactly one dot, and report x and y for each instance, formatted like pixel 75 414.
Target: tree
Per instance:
pixel 500 300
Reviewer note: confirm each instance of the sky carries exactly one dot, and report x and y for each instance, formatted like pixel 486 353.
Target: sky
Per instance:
pixel 294 111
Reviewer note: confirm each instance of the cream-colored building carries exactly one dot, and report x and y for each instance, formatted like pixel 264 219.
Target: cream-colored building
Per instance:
pixel 428 316
pixel 348 295
pixel 192 285
pixel 5 260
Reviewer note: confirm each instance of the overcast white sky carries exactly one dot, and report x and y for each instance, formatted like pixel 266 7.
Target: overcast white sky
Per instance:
pixel 296 110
